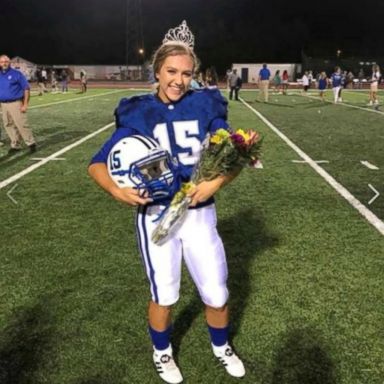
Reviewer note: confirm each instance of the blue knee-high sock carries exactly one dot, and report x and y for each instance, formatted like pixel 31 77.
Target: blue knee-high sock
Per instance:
pixel 161 340
pixel 219 336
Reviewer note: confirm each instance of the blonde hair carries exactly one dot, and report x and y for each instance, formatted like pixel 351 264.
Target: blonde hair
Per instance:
pixel 172 49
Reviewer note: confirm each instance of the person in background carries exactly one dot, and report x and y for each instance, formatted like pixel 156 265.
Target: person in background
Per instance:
pixel 310 79
pixel 375 78
pixel 350 77
pixel 40 81
pixel 64 81
pixel 45 78
pixel 343 85
pixel 323 82
pixel 211 78
pixel 276 81
pixel 14 99
pixel 83 81
pixel 264 76
pixel 336 84
pixel 305 82
pixel 194 83
pixel 361 77
pixel 54 87
pixel 285 80
pixel 234 85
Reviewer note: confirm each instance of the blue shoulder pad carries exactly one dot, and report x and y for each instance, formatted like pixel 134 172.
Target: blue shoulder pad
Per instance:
pixel 129 111
pixel 212 102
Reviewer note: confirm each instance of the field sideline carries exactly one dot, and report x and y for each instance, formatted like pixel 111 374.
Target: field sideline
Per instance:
pixel 305 267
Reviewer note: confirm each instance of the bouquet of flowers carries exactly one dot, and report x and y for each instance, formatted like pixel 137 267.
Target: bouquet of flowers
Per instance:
pixel 222 153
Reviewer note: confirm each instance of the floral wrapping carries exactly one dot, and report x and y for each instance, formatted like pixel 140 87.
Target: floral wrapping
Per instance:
pixel 222 153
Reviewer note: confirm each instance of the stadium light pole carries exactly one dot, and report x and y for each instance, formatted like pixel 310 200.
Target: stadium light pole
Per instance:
pixel 141 53
pixel 126 31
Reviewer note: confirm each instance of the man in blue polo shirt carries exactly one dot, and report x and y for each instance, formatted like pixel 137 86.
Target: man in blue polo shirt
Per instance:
pixel 14 98
pixel 264 76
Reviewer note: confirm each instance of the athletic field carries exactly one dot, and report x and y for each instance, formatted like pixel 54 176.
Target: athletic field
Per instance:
pixel 304 237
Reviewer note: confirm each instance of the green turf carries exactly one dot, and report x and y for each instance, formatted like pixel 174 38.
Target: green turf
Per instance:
pixel 305 269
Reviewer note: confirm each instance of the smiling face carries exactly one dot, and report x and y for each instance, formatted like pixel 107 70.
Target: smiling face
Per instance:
pixel 174 77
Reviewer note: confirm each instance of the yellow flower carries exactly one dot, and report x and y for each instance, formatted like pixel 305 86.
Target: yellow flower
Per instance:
pixel 245 135
pixel 216 139
pixel 223 133
pixel 220 135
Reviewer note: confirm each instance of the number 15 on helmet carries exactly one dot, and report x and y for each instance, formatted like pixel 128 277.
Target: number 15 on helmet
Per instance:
pixel 139 162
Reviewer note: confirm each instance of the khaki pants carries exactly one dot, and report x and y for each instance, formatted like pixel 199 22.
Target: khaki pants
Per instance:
pixel 16 124
pixel 264 84
pixel 42 88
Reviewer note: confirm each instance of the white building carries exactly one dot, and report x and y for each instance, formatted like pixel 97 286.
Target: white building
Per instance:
pixel 249 72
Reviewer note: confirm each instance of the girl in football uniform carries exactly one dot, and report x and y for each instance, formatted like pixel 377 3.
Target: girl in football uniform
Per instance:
pixel 179 119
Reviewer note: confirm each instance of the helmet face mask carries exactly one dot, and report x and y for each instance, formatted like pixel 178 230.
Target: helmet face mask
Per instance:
pixel 154 169
pixel 139 162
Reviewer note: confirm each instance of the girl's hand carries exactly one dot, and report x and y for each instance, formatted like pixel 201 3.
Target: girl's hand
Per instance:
pixel 204 190
pixel 130 196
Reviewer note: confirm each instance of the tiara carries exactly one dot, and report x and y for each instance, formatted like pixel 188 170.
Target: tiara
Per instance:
pixel 181 34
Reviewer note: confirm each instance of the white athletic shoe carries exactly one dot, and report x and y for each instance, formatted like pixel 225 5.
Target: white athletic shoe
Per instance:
pixel 370 103
pixel 230 360
pixel 166 366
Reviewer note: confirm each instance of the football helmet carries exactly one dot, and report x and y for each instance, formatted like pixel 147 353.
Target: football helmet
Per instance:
pixel 139 162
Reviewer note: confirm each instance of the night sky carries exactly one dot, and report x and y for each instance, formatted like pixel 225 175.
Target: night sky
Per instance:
pixel 94 31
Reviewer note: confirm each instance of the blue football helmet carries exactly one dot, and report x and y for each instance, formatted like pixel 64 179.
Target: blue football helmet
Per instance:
pixel 139 162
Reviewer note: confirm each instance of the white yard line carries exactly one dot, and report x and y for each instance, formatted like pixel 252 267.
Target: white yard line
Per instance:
pixel 364 211
pixel 42 158
pixel 369 165
pixel 76 99
pixel 316 161
pixel 35 166
pixel 344 104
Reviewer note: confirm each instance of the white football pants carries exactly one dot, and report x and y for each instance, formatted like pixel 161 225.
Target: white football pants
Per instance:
pixel 198 243
pixel 336 94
